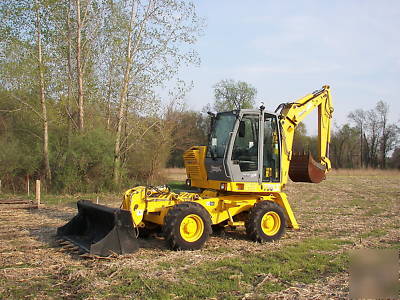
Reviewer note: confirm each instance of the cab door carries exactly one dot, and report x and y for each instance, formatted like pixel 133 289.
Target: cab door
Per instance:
pixel 271 157
pixel 243 160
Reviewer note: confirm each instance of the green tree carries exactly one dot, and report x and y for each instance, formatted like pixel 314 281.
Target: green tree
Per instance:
pixel 230 94
pixel 26 24
pixel 80 78
pixel 157 43
pixel 190 130
pixel 344 146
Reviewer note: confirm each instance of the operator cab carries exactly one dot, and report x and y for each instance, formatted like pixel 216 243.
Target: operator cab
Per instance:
pixel 244 146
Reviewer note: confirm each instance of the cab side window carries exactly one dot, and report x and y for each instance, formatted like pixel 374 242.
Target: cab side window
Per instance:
pixel 271 155
pixel 245 148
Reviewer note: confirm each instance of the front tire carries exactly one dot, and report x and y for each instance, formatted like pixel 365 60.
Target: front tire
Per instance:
pixel 187 226
pixel 266 222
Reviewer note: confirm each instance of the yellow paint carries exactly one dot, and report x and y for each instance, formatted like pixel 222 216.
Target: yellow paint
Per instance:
pixel 191 228
pixel 270 223
pixel 220 206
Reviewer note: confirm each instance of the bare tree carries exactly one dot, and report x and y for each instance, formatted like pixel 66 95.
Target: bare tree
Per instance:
pixel 373 136
pixel 388 132
pixel 359 118
pixel 46 163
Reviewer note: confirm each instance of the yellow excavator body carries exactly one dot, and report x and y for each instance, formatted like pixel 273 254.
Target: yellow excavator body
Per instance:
pixel 239 175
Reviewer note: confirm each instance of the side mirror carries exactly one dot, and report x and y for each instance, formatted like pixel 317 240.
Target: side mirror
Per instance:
pixel 242 129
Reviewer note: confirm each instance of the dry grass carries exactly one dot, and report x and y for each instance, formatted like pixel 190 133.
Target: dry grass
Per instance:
pixel 338 215
pixel 364 172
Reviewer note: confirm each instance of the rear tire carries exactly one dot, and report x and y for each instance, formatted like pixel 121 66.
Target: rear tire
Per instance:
pixel 266 222
pixel 187 226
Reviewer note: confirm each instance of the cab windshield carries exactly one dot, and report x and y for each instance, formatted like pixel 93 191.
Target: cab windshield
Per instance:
pixel 220 133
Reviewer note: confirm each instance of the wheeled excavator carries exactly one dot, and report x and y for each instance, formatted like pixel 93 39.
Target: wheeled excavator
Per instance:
pixel 239 175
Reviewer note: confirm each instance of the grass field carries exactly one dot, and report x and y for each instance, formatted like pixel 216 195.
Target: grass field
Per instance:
pixel 350 210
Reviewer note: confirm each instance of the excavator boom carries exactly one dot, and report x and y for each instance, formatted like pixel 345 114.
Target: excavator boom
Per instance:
pixel 302 167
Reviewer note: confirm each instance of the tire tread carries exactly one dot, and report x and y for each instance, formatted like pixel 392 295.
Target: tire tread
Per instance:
pixel 253 228
pixel 172 224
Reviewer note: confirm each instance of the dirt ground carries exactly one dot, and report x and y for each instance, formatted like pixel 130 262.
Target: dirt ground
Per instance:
pixel 362 210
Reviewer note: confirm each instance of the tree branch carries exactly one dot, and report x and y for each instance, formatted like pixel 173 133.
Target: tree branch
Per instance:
pixel 28 105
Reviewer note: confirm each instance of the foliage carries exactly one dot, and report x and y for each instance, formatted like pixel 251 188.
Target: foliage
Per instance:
pixel 395 159
pixel 85 54
pixel 230 94
pixel 344 146
pixel 191 130
pixel 303 143
pixel 86 164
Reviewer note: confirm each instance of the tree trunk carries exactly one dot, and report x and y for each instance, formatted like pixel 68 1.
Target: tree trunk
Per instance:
pixel 361 148
pixel 367 152
pixel 109 93
pixel 384 146
pixel 79 69
pixel 124 145
pixel 46 163
pixel 122 102
pixel 70 76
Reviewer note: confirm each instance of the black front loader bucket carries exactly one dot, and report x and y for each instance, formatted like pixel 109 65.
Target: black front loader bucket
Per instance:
pixel 303 168
pixel 100 230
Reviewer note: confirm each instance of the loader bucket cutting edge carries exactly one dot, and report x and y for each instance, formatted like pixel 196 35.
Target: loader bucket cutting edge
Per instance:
pixel 303 168
pixel 100 230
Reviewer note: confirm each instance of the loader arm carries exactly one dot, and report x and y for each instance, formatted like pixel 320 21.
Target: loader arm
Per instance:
pixel 293 113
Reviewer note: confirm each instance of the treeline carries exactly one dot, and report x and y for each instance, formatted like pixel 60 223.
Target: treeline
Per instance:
pixel 79 82
pixel 369 140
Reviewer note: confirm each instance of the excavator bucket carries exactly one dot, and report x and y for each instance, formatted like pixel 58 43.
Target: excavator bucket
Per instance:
pixel 100 230
pixel 303 168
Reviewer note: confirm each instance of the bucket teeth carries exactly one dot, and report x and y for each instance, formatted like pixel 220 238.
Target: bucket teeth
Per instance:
pixel 69 246
pixel 64 249
pixel 78 251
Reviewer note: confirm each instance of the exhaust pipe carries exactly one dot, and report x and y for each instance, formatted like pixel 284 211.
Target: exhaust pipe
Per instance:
pixel 100 230
pixel 303 168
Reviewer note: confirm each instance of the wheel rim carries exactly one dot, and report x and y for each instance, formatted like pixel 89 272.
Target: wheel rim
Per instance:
pixel 192 228
pixel 270 223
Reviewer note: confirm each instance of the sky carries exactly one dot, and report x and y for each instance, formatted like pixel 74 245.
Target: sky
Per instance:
pixel 287 49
